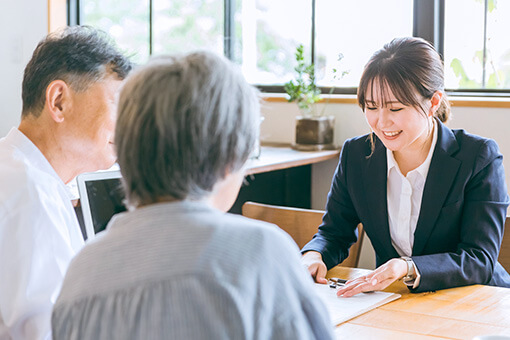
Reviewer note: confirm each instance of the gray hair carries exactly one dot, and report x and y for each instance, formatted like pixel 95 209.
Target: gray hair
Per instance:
pixel 79 55
pixel 184 122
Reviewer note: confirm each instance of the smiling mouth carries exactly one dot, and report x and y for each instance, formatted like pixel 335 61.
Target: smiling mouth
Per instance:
pixel 392 133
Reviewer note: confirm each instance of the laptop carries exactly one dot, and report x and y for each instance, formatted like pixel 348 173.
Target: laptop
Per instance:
pixel 101 197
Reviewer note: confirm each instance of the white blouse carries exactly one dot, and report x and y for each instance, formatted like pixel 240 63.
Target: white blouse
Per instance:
pixel 183 270
pixel 404 195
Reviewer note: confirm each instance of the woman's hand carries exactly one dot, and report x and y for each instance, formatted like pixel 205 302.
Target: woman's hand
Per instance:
pixel 313 262
pixel 379 279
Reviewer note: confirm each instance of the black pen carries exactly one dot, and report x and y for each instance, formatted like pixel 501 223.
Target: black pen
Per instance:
pixel 334 282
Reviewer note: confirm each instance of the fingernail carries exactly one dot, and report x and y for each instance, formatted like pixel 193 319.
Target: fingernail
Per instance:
pixel 374 282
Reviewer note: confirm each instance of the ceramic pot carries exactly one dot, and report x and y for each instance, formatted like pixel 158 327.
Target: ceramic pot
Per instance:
pixel 314 133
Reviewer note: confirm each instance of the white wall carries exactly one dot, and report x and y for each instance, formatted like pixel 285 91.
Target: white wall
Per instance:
pixel 23 24
pixel 279 125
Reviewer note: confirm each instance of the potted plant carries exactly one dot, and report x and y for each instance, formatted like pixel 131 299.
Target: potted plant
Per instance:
pixel 314 131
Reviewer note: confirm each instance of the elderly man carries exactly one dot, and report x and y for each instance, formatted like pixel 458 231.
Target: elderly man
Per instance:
pixel 70 90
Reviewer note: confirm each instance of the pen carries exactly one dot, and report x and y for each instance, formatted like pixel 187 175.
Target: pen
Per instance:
pixel 334 282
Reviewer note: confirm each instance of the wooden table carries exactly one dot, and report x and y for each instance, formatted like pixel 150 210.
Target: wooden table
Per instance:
pixel 281 176
pixel 281 156
pixel 457 313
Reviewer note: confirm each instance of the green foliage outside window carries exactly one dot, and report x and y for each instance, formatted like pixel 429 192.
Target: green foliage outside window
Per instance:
pixel 494 78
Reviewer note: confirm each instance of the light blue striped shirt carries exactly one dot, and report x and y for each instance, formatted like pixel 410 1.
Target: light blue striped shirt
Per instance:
pixel 184 270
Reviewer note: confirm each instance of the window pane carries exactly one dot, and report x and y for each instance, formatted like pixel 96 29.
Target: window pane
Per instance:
pixel 267 34
pixel 497 74
pixel 182 26
pixel 127 21
pixel 464 66
pixel 356 29
pixel 463 44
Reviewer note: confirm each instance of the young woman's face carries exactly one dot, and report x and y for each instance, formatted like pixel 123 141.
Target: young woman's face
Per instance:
pixel 401 128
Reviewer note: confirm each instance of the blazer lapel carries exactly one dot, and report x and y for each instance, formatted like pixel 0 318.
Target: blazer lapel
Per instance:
pixel 442 172
pixel 375 185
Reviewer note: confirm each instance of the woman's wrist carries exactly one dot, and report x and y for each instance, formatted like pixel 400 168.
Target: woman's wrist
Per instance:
pixel 401 268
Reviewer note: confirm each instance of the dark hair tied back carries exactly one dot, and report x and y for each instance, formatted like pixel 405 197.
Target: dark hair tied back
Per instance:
pixel 404 64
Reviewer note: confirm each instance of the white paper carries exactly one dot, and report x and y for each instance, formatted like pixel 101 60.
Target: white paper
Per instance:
pixel 342 309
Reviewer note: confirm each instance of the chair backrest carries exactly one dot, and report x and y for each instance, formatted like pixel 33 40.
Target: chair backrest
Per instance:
pixel 504 251
pixel 300 224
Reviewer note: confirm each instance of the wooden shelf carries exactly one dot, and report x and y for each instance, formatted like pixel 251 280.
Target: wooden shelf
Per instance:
pixel 455 101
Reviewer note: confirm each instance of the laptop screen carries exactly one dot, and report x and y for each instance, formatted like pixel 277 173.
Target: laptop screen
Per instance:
pixel 101 197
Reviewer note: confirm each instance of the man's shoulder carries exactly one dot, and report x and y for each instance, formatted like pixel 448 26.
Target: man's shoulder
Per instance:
pixel 16 177
pixel 23 184
pixel 18 173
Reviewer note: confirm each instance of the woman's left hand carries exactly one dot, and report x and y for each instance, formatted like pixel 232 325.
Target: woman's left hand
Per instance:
pixel 379 279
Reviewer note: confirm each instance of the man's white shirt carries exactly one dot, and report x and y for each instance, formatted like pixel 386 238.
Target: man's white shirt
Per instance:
pixel 39 235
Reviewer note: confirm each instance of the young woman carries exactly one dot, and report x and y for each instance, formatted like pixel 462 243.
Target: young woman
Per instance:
pixel 432 200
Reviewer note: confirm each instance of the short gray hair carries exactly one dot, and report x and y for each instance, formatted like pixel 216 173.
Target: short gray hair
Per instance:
pixel 79 55
pixel 184 122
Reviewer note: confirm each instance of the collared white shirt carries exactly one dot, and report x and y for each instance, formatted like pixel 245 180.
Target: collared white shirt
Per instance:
pixel 404 196
pixel 39 235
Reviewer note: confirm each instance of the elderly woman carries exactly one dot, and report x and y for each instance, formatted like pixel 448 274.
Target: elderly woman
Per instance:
pixel 176 266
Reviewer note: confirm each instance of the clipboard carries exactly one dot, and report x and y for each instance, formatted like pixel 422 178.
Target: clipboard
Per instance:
pixel 343 309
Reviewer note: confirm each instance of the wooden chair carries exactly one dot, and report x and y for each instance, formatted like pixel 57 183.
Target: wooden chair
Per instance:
pixel 300 224
pixel 504 251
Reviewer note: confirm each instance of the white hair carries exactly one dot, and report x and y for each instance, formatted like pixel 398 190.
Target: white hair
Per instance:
pixel 184 122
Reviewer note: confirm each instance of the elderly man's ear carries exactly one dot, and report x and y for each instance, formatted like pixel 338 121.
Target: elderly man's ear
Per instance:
pixel 58 99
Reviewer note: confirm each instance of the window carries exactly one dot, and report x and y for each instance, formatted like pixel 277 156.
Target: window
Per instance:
pixel 347 27
pixel 181 26
pixel 476 47
pixel 124 20
pixel 261 35
pixel 267 36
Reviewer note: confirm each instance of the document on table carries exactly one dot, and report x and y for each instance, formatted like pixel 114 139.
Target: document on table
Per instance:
pixel 343 309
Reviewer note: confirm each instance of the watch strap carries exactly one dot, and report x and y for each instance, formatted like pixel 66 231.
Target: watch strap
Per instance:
pixel 411 274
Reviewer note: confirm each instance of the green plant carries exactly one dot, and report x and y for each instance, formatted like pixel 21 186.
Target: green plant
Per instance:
pixel 303 91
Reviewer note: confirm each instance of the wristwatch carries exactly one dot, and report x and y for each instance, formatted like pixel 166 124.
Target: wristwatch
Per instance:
pixel 411 273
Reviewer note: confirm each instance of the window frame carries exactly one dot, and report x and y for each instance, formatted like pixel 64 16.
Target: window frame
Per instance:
pixel 428 23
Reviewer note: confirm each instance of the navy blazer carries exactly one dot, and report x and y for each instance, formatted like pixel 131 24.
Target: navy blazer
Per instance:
pixel 461 220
